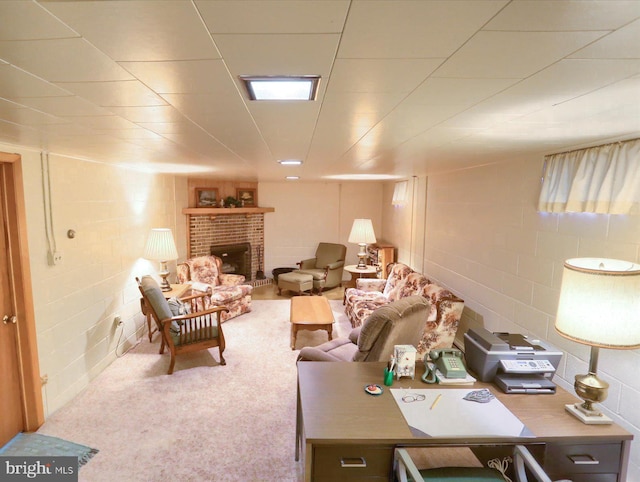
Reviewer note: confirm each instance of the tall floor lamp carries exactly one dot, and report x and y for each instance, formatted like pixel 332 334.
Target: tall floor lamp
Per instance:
pixel 161 247
pixel 599 306
pixel 362 234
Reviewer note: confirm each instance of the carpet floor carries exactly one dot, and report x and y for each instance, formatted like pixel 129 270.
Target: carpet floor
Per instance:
pixel 206 422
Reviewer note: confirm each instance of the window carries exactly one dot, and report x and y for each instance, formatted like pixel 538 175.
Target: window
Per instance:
pixel 602 179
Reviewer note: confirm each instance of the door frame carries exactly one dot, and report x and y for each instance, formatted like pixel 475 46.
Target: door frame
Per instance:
pixel 20 278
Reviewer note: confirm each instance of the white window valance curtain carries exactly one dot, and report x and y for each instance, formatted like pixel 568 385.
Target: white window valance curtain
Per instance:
pixel 603 179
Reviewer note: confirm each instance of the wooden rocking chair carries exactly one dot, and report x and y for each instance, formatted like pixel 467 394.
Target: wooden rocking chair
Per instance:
pixel 193 331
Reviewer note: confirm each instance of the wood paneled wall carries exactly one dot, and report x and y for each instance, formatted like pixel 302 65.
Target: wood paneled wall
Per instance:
pixel 225 188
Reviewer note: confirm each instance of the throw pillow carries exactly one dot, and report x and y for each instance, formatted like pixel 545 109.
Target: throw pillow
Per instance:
pixel 178 308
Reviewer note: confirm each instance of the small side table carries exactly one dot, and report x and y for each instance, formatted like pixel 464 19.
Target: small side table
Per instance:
pixel 368 272
pixel 176 291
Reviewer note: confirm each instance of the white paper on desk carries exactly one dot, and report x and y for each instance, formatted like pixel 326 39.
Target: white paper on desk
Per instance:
pixel 453 416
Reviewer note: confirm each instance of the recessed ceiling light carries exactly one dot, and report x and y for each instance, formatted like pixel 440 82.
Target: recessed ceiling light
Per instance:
pixel 290 162
pixel 301 87
pixel 292 178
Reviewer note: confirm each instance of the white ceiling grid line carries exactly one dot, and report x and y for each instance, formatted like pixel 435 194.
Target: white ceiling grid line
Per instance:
pixel 407 88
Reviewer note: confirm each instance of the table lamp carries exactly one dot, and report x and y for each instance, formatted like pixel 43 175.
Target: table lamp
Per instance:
pixel 599 306
pixel 362 234
pixel 161 247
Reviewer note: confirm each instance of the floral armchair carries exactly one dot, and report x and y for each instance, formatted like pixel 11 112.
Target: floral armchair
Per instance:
pixel 204 273
pixel 444 316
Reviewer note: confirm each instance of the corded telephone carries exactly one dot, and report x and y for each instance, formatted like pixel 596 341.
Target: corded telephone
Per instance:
pixel 448 361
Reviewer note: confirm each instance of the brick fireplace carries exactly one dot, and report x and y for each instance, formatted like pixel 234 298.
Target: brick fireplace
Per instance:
pixel 206 231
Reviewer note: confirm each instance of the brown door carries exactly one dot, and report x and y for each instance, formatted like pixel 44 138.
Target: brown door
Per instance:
pixel 12 418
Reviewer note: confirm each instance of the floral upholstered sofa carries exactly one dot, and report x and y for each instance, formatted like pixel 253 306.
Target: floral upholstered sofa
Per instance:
pixel 204 273
pixel 446 308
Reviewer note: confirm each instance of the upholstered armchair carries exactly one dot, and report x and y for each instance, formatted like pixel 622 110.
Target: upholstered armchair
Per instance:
pixel 398 323
pixel 442 320
pixel 204 273
pixel 327 266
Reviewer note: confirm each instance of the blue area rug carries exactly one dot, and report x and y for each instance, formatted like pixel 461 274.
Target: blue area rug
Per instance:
pixel 37 445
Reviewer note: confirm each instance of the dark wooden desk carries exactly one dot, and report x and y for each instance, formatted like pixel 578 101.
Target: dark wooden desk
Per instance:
pixel 337 422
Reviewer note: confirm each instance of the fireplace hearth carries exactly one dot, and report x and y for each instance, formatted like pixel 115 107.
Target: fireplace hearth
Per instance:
pixel 236 258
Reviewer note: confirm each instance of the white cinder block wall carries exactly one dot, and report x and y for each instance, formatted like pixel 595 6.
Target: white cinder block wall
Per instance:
pixel 485 240
pixel 111 210
pixel 307 213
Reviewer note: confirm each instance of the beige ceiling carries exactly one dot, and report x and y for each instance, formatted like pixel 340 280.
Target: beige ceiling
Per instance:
pixel 407 88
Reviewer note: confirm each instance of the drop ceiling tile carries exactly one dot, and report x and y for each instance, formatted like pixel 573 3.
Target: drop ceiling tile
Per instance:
pixel 409 120
pixel 104 122
pixel 63 106
pixel 461 93
pixel 555 15
pixel 12 112
pixel 184 76
pixel 356 103
pixel 70 129
pixel 235 129
pixel 16 83
pixel 610 98
pixel 199 141
pixel 409 29
pixel 621 44
pixel 20 20
pixel 509 105
pixel 128 93
pixel 165 127
pixel 139 30
pixel 278 54
pixel 274 16
pixel 483 116
pixel 512 54
pixel 14 133
pixel 195 106
pixel 380 75
pixel 136 133
pixel 286 129
pixel 157 113
pixel 571 78
pixel 61 60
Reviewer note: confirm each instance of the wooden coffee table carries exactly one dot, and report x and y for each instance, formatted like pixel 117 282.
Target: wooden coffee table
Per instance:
pixel 310 313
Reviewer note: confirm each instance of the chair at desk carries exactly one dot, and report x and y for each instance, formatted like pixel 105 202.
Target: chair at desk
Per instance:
pixel 523 463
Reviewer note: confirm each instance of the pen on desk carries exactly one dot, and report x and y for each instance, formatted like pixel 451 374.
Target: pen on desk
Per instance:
pixel 435 402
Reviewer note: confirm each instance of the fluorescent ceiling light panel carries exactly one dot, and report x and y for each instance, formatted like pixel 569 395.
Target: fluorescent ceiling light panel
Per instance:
pixel 292 178
pixel 290 162
pixel 302 87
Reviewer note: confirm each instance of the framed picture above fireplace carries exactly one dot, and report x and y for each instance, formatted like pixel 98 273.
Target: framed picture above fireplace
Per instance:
pixel 249 196
pixel 207 197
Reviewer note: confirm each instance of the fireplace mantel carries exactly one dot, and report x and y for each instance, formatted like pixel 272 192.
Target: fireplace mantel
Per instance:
pixel 225 211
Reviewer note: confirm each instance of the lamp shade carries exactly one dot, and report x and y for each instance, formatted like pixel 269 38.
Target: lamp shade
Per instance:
pixel 160 245
pixel 362 232
pixel 600 303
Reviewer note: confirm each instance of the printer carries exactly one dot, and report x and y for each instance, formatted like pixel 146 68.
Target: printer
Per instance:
pixel 513 362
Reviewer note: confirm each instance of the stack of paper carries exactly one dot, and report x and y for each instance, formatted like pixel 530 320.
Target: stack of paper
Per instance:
pixel 442 380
